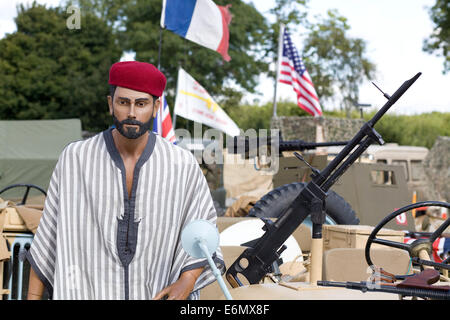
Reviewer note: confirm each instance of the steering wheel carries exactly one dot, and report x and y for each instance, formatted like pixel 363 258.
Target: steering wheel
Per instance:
pixel 25 196
pixel 416 248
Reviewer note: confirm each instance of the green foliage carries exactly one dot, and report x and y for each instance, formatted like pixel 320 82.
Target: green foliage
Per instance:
pixel 291 14
pixel 108 10
pixel 340 62
pixel 52 72
pixel 414 130
pixel 336 62
pixel 439 40
pixel 258 117
pixel 138 30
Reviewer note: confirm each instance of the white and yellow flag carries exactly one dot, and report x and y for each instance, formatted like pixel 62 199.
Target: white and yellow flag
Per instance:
pixel 194 102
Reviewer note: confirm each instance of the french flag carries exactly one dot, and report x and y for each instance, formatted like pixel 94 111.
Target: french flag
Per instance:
pixel 200 21
pixel 162 124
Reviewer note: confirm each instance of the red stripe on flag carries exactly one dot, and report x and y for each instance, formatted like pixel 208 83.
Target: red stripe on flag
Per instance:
pixel 224 42
pixel 313 111
pixel 296 79
pixel 166 125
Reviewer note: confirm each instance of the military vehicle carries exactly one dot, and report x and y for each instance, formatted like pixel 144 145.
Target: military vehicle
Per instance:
pixel 410 158
pixel 330 274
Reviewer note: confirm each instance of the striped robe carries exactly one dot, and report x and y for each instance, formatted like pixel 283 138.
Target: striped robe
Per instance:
pixel 93 242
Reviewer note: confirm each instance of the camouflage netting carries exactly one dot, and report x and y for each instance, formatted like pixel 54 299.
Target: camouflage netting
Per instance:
pixel 437 167
pixel 304 128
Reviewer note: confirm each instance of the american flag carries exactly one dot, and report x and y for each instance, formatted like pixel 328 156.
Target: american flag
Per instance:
pixel 162 124
pixel 293 72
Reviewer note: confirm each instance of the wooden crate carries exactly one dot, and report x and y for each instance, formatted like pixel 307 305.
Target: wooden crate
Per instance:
pixel 13 221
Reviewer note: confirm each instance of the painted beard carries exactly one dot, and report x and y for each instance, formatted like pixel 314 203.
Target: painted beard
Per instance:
pixel 130 132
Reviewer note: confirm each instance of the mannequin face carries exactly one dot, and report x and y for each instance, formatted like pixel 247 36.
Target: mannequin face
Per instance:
pixel 133 111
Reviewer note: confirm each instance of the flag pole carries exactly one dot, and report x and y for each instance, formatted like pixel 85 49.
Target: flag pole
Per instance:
pixel 174 120
pixel 176 93
pixel 162 26
pixel 280 53
pixel 159 46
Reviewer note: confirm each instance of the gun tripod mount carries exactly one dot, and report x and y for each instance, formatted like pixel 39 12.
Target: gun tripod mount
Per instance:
pixel 256 261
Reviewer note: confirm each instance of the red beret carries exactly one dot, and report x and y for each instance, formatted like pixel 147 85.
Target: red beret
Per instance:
pixel 139 76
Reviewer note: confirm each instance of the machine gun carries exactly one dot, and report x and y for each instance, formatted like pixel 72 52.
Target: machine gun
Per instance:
pixel 413 292
pixel 248 147
pixel 256 261
pixel 418 285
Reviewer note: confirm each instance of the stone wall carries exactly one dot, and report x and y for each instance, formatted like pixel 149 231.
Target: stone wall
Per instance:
pixel 305 128
pixel 437 167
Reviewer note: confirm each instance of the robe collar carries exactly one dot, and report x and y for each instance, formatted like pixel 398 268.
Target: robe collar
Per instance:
pixel 115 155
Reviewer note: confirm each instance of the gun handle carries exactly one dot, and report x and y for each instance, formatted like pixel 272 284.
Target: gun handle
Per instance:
pixel 234 269
pixel 233 280
pixel 249 266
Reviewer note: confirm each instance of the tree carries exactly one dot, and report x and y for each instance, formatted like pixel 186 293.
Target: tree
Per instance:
pixel 110 11
pixel 336 61
pixel 439 41
pixel 413 130
pixel 52 72
pixel 138 30
pixel 291 14
pixel 253 46
pixel 258 117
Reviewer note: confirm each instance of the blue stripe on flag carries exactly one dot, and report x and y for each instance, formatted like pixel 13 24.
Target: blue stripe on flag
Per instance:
pixel 155 124
pixel 178 15
pixel 446 247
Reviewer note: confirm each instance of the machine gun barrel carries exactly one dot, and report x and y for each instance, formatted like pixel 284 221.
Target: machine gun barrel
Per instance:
pixel 431 263
pixel 366 131
pixel 294 145
pixel 414 292
pixel 255 262
pixel 250 146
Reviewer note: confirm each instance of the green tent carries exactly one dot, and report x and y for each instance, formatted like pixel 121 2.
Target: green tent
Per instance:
pixel 29 150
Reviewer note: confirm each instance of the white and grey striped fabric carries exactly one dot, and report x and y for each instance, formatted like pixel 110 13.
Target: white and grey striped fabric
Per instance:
pixel 93 242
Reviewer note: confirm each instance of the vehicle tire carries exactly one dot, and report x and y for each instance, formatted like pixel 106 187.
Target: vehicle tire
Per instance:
pixel 273 204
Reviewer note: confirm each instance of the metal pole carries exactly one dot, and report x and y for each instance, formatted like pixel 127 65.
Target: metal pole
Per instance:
pixel 214 269
pixel 280 53
pixel 159 46
pixel 176 93
pixel 174 120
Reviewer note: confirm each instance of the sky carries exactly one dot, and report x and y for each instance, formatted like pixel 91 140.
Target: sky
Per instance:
pixel 394 32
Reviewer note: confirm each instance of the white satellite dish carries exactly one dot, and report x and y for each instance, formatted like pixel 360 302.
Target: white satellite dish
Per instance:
pixel 200 239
